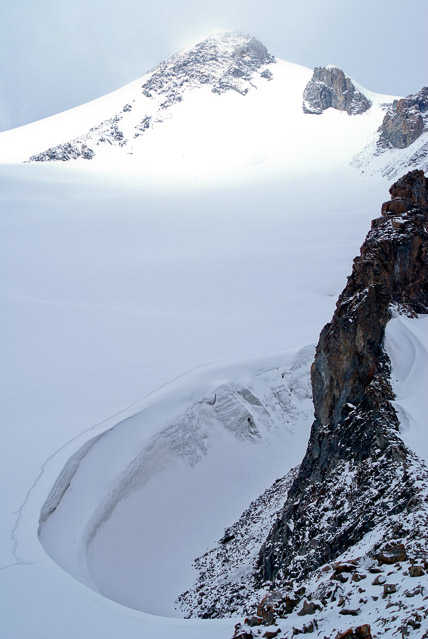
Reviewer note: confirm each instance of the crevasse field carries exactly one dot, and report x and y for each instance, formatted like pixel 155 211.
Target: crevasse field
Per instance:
pixel 158 320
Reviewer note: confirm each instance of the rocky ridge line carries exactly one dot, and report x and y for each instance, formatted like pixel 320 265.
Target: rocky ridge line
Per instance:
pixel 347 557
pixel 330 87
pixel 356 474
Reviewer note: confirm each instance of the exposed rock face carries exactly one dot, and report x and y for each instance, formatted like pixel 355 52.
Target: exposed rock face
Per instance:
pixel 329 87
pixel 405 121
pixel 355 474
pixel 64 152
pixel 224 63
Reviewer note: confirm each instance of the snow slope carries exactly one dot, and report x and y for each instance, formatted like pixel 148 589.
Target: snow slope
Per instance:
pixel 110 291
pixel 202 448
pixel 214 103
pixel 407 346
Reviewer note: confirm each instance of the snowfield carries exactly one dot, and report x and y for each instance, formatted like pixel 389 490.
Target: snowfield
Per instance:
pixel 158 316
pixel 407 346
pixel 111 291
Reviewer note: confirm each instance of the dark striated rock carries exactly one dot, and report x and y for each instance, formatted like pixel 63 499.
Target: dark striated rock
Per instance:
pixel 405 121
pixel 330 87
pixel 355 471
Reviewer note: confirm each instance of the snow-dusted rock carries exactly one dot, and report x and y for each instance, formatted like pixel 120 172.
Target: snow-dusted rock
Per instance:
pixel 360 496
pixel 405 121
pixel 330 87
pixel 400 144
pixel 355 474
pixel 65 152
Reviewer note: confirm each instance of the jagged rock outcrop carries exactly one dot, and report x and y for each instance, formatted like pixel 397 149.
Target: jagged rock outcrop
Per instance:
pixel 64 152
pixel 356 473
pixel 405 121
pixel 223 62
pixel 330 87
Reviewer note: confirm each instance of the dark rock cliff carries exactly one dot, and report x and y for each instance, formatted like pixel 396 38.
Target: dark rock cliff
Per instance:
pixel 330 87
pixel 405 121
pixel 356 471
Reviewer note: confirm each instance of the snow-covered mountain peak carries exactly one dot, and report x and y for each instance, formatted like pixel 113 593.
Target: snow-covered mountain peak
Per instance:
pixel 227 44
pixel 224 60
pixel 226 92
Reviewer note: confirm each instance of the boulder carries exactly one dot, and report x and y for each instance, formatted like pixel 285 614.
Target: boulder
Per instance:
pixel 416 571
pixel 389 589
pixel 309 608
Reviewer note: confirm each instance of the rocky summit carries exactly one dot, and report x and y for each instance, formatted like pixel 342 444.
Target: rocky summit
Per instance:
pixel 224 62
pixel 330 87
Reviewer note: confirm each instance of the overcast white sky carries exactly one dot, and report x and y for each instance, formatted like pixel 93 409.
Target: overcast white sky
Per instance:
pixel 55 54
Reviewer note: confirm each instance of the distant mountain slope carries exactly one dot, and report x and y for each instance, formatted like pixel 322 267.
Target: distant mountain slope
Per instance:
pixel 220 108
pixel 226 62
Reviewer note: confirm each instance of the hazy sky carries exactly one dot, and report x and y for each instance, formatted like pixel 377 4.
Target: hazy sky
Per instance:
pixel 55 54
